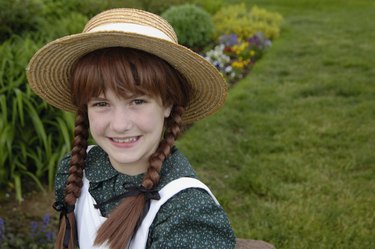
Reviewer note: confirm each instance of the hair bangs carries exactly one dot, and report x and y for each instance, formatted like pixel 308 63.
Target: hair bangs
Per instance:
pixel 127 72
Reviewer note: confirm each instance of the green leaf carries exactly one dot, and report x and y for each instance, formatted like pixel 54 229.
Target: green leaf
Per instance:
pixel 19 101
pixel 64 130
pixel 18 187
pixel 37 123
pixel 4 108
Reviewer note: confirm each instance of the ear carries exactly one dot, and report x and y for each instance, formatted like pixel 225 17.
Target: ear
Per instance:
pixel 167 111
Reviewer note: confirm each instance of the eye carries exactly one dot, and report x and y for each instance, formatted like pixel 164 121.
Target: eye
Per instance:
pixel 138 101
pixel 100 104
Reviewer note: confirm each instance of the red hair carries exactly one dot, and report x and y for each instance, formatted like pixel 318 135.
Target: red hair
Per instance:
pixel 126 72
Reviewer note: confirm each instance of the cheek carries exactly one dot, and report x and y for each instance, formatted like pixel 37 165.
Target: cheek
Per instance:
pixel 153 122
pixel 97 125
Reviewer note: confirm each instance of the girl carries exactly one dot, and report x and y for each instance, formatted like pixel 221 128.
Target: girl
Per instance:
pixel 133 86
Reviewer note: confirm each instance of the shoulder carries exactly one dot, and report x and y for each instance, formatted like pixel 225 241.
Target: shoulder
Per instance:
pixel 174 167
pixel 192 216
pixel 190 202
pixel 93 153
pixel 63 166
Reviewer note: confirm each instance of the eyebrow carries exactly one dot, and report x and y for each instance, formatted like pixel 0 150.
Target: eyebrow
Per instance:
pixel 98 99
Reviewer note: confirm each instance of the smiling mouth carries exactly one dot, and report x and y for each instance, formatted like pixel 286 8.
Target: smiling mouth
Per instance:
pixel 125 140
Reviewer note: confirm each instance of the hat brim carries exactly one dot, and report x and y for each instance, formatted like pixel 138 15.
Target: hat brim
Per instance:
pixel 49 69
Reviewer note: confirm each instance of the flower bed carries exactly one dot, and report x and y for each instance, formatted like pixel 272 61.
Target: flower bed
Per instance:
pixel 234 57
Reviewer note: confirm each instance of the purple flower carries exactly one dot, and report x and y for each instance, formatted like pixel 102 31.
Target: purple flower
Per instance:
pixel 46 219
pixel 49 235
pixel 259 40
pixel 2 230
pixel 254 40
pixel 229 40
pixel 34 228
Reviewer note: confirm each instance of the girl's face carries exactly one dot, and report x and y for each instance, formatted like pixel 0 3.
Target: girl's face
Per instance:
pixel 127 129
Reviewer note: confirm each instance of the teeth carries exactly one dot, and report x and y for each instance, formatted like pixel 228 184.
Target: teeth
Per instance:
pixel 125 140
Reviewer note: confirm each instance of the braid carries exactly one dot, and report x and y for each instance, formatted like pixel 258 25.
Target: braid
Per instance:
pixel 120 226
pixel 74 181
pixel 77 162
pixel 173 124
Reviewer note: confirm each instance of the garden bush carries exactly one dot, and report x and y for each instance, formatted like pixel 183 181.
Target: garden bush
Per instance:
pixel 193 25
pixel 153 6
pixel 27 122
pixel 57 9
pixel 237 19
pixel 211 6
pixel 158 7
pixel 71 23
pixel 19 16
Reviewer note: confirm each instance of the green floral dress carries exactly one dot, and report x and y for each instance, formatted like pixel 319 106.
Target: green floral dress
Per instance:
pixel 190 219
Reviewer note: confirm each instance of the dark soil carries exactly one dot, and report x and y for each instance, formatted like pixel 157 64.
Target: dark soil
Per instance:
pixel 18 216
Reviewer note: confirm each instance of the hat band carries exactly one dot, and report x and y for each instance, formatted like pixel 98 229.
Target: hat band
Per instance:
pixel 132 28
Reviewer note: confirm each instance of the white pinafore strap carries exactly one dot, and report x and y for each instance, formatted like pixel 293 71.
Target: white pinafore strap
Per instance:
pixel 88 218
pixel 168 191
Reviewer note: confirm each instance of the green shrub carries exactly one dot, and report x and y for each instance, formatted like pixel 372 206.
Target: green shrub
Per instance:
pixel 237 19
pixel 18 16
pixel 57 9
pixel 211 6
pixel 71 23
pixel 153 6
pixel 34 135
pixel 193 25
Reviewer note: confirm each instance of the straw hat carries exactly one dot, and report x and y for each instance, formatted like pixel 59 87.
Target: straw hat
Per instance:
pixel 49 69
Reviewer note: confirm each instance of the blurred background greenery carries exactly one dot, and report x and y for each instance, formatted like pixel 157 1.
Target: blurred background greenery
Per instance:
pixel 290 156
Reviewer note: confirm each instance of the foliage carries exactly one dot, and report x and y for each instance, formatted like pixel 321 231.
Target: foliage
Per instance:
pixel 192 24
pixel 27 122
pixel 57 9
pixel 158 7
pixel 234 57
pixel 237 19
pixel 211 6
pixel 18 16
pixel 70 23
pixel 153 6
pixel 39 235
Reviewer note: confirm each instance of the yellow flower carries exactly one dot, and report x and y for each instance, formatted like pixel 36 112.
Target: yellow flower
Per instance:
pixel 237 64
pixel 237 49
pixel 240 64
pixel 252 52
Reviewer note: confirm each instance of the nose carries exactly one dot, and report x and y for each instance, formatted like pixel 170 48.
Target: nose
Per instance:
pixel 121 121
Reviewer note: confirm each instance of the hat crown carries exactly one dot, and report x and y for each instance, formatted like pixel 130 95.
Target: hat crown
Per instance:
pixel 130 17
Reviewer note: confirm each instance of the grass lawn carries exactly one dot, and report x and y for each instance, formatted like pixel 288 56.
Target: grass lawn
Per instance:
pixel 291 155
